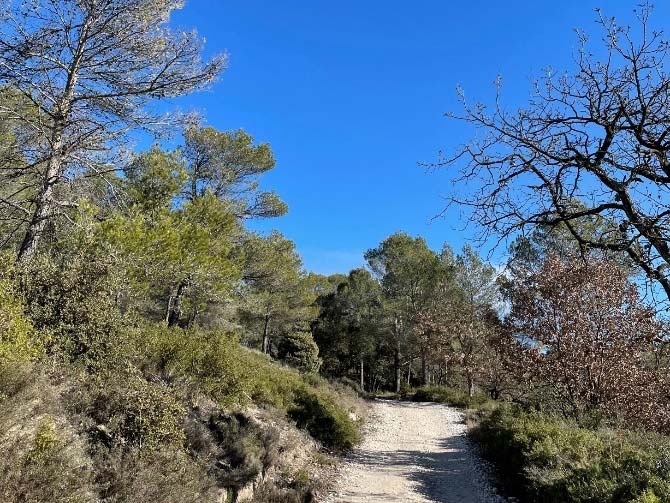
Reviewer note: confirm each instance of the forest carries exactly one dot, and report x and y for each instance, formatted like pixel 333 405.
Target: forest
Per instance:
pixel 155 347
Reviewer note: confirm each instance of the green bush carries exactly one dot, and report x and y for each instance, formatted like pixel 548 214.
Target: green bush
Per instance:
pixel 19 341
pixel 42 467
pixel 234 375
pixel 299 350
pixel 450 396
pixel 548 460
pixel 210 359
pixel 324 420
pixel 123 408
pixel 74 300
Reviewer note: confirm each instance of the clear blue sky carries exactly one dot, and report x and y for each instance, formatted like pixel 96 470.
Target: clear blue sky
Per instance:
pixel 351 94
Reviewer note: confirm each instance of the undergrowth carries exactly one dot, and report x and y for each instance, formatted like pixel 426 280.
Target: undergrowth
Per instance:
pixel 545 459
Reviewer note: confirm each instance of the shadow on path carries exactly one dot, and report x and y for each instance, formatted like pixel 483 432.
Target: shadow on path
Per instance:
pixel 444 477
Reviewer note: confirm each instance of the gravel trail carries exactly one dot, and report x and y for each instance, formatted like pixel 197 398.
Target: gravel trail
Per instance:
pixel 414 452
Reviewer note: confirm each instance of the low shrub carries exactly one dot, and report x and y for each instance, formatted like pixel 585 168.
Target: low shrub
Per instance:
pixel 166 475
pixel 324 420
pixel 450 396
pixel 208 358
pixel 19 341
pixel 543 459
pixel 43 467
pixel 123 408
pixel 233 375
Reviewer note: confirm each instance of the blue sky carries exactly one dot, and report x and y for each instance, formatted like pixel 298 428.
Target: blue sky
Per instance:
pixel 352 94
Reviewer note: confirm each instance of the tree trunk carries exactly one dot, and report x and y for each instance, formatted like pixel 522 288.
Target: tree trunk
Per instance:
pixel 42 212
pixel 396 367
pixel 471 386
pixel 446 370
pixel 396 355
pixel 424 371
pixel 173 315
pixel 409 372
pixel 362 376
pixel 62 111
pixel 265 345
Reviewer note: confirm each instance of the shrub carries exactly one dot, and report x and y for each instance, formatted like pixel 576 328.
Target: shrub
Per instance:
pixel 299 350
pixel 164 475
pixel 42 468
pixel 19 341
pixel 324 420
pixel 272 384
pixel 122 408
pixel 233 375
pixel 450 396
pixel 210 359
pixel 73 299
pixel 549 460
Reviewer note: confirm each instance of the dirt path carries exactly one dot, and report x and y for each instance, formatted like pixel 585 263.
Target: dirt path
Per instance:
pixel 414 452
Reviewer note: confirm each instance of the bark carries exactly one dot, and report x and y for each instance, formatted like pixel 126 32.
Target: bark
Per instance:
pixel 266 338
pixel 362 376
pixel 396 367
pixel 471 386
pixel 424 371
pixel 43 211
pixel 62 110
pixel 175 304
pixel 396 355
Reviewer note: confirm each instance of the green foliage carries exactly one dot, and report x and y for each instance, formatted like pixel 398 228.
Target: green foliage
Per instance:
pixel 299 350
pixel 72 298
pixel 46 441
pixel 549 460
pixel 349 328
pixel 186 256
pixel 310 401
pixel 324 420
pixel 19 341
pixel 278 296
pixel 126 409
pixel 233 375
pixel 209 358
pixel 154 179
pixel 647 496
pixel 227 165
pixel 452 396
pixel 406 269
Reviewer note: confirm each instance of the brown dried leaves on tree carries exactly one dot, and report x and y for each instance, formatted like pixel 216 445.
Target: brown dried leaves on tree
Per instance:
pixel 579 333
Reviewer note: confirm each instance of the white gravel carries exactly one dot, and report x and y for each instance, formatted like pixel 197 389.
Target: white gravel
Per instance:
pixel 414 451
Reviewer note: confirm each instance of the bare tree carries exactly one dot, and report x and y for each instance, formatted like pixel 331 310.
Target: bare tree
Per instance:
pixel 589 151
pixel 85 72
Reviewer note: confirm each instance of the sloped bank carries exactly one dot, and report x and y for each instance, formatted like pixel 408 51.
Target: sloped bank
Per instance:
pixel 175 416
